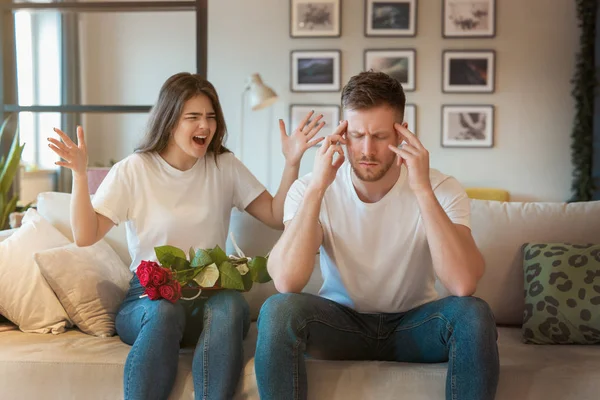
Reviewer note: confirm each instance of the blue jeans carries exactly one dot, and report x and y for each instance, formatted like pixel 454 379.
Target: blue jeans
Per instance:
pixel 216 323
pixel 459 330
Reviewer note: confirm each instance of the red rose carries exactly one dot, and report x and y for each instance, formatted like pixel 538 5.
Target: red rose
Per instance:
pixel 159 276
pixel 171 291
pixel 153 293
pixel 144 271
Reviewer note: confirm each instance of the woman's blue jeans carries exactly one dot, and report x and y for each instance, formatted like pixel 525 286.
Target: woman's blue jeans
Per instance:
pixel 216 323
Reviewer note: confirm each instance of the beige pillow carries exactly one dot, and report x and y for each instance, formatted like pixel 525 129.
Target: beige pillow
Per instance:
pixel 25 297
pixel 90 282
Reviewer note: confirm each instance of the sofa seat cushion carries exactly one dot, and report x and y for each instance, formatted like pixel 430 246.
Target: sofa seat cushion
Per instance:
pixel 75 365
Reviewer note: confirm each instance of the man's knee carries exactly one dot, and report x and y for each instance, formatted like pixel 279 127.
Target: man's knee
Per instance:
pixel 473 313
pixel 282 309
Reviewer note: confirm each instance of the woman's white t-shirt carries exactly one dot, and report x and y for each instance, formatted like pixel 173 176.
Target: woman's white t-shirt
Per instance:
pixel 161 205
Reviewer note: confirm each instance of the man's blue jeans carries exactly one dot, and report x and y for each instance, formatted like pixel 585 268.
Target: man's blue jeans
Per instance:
pixel 459 330
pixel 215 323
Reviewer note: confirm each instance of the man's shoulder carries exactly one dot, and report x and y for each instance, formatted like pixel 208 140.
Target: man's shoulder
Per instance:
pixel 444 184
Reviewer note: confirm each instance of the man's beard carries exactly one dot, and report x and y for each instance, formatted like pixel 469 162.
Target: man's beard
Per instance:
pixel 371 176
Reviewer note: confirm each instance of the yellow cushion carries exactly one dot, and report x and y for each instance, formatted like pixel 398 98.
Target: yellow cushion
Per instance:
pixel 488 194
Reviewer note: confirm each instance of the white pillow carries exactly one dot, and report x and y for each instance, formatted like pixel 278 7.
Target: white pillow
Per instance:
pixel 25 297
pixel 90 282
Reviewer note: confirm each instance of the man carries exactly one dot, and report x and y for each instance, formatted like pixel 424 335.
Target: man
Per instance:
pixel 387 225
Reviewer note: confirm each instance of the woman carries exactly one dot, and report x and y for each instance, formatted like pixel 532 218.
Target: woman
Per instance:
pixel 179 188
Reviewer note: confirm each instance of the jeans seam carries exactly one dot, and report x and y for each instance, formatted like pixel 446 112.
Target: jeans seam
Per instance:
pixel 452 375
pixel 431 317
pixel 296 369
pixel 133 356
pixel 206 345
pixel 309 320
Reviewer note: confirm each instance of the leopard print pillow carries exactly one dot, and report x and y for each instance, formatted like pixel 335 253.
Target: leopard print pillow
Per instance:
pixel 562 293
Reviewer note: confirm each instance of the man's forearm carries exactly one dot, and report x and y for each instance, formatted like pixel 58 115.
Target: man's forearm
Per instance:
pixel 457 262
pixel 292 260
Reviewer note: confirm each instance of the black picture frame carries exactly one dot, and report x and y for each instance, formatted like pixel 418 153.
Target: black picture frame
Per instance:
pixel 451 138
pixel 410 53
pixel 296 32
pixel 466 75
pixel 329 78
pixel 449 31
pixel 371 31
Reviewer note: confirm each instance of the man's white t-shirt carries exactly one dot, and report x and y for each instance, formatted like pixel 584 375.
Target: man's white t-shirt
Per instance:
pixel 375 257
pixel 161 205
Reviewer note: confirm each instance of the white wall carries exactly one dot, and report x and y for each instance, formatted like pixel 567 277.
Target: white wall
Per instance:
pixel 125 58
pixel 535 48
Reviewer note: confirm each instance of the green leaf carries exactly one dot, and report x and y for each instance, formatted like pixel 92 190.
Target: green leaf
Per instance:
pixel 230 277
pixel 201 259
pixel 191 252
pixel 208 276
pixel 258 269
pixel 11 165
pixel 9 208
pixel 218 256
pixel 166 255
pixel 247 280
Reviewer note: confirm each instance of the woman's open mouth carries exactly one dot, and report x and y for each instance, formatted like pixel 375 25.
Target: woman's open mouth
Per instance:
pixel 201 140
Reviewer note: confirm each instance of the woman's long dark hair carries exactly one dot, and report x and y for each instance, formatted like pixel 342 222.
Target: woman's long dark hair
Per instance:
pixel 165 114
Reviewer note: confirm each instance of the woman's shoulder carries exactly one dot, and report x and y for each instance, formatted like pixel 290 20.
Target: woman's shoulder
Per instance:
pixel 134 162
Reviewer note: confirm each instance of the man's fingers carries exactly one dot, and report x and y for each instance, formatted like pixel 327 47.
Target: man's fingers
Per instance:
pixel 341 131
pixel 408 135
pixel 340 160
pixel 66 139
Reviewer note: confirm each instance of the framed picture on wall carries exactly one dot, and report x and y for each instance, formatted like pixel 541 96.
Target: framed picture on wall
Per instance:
pixel 398 63
pixel 321 18
pixel 315 71
pixel 391 18
pixel 467 126
pixel 469 18
pixel 331 116
pixel 470 71
pixel 410 117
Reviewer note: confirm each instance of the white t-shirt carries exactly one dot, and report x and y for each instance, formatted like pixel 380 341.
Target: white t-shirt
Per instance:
pixel 375 257
pixel 162 205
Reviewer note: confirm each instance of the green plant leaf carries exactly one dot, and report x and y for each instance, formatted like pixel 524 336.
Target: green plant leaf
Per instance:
pixel 191 253
pixel 247 280
pixel 9 208
pixel 258 269
pixel 201 258
pixel 218 256
pixel 208 276
pixel 230 277
pixel 11 165
pixel 166 255
pixel 180 264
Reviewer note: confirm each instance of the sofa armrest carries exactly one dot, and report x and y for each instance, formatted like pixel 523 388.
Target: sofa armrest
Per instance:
pixel 6 233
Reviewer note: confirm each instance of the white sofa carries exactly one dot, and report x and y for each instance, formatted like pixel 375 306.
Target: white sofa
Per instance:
pixel 74 365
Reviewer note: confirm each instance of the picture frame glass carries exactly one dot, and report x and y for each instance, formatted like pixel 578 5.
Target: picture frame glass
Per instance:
pixel 469 71
pixel 469 18
pixel 331 116
pixel 315 71
pixel 399 64
pixel 390 17
pixel 320 18
pixel 468 126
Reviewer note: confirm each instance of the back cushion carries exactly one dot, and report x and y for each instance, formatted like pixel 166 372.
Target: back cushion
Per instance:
pixel 55 207
pixel 500 230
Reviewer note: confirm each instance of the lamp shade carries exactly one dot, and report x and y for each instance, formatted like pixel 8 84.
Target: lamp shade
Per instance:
pixel 260 95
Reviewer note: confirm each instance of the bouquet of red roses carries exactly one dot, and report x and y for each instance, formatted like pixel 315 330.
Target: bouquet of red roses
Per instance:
pixel 204 269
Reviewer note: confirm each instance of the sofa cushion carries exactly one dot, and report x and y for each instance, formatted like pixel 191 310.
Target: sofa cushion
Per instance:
pixel 77 366
pixel 25 297
pixel 500 230
pixel 562 293
pixel 90 282
pixel 55 207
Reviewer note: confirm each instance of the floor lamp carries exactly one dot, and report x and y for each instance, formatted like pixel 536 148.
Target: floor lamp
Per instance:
pixel 260 96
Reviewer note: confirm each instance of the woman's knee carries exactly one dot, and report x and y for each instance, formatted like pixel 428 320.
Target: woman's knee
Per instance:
pixel 228 305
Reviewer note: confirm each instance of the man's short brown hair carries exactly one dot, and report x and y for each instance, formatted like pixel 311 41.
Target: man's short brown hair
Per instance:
pixel 372 89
